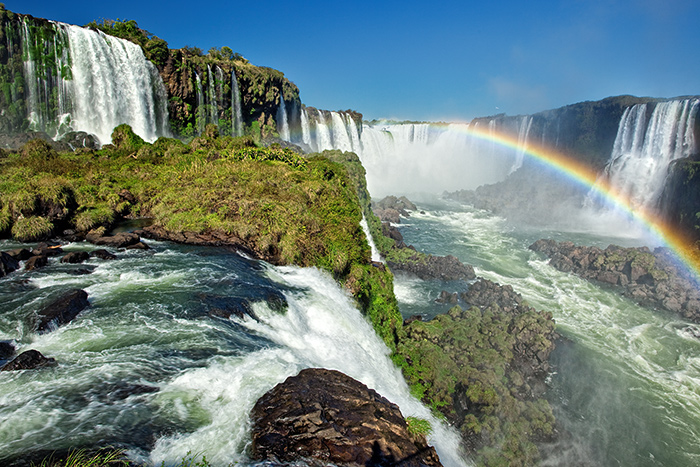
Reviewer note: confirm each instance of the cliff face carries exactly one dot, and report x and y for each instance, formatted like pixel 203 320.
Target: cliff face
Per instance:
pixel 680 201
pixel 585 130
pixel 203 88
pixel 38 91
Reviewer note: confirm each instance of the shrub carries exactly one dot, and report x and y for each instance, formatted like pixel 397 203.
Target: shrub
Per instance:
pixel 418 426
pixel 29 229
pixel 91 218
pixel 124 138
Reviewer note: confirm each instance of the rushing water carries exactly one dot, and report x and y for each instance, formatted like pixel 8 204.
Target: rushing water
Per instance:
pixel 152 367
pixel 626 384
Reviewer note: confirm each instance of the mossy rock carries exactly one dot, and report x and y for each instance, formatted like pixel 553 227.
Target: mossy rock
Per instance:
pixel 124 138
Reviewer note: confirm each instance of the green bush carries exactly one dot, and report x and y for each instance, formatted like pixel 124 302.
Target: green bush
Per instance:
pixel 30 229
pixel 124 138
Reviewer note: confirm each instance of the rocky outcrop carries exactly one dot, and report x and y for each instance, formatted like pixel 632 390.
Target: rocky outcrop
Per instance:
pixel 8 264
pixel 391 208
pixel 446 268
pixel 61 310
pixel 324 415
pixel 649 278
pixel 76 257
pixel 120 240
pixel 28 360
pixel 484 364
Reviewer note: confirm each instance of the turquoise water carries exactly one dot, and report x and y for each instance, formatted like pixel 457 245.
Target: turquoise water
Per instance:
pixel 626 384
pixel 154 368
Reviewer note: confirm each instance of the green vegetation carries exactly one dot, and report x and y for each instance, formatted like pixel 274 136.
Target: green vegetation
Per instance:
pixel 463 364
pixel 418 426
pixel 81 458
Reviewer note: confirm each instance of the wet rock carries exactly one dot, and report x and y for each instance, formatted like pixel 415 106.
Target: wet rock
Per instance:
pixel 47 249
pixel 80 139
pixel 388 215
pixel 325 415
pixel 36 262
pixel 62 310
pixel 401 205
pixel 76 257
pixel 649 278
pixel 8 264
pixel 103 254
pixel 120 240
pixel 446 297
pixel 484 293
pixel 138 246
pixel 20 254
pixel 28 360
pixel 446 268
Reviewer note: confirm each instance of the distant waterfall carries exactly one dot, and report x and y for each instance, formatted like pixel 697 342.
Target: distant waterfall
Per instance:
pixel 200 111
pixel 283 120
pixel 83 80
pixel 321 130
pixel 523 134
pixel 649 138
pixel 236 111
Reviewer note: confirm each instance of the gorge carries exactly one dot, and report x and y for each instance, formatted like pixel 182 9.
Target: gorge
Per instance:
pixel 181 340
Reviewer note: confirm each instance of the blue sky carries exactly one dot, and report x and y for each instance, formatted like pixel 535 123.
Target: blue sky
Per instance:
pixel 438 61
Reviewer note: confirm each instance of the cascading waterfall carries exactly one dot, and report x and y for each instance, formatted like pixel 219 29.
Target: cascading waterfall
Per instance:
pixel 523 133
pixel 283 120
pixel 83 80
pixel 211 98
pixel 430 156
pixel 46 75
pixel 200 113
pixel 376 256
pixel 305 129
pixel 646 145
pixel 113 83
pixel 236 111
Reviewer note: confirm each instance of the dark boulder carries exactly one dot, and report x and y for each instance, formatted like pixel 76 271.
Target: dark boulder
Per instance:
pixel 47 249
pixel 20 254
pixel 76 257
pixel 80 139
pixel 446 268
pixel 28 360
pixel 36 262
pixel 8 264
pixel 326 416
pixel 62 310
pixel 103 254
pixel 120 240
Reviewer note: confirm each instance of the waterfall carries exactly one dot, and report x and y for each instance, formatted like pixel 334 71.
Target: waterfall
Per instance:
pixel 323 134
pixel 47 85
pixel 376 256
pixel 283 120
pixel 236 111
pixel 211 100
pixel 113 83
pixel 523 133
pixel 200 112
pixel 645 147
pixel 305 129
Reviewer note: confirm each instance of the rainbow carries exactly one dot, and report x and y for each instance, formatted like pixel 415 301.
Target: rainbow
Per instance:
pixel 574 170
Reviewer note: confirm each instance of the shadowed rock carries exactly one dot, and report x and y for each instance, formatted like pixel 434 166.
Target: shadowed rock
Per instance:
pixel 62 310
pixel 327 416
pixel 36 262
pixel 103 254
pixel 7 264
pixel 76 257
pixel 29 360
